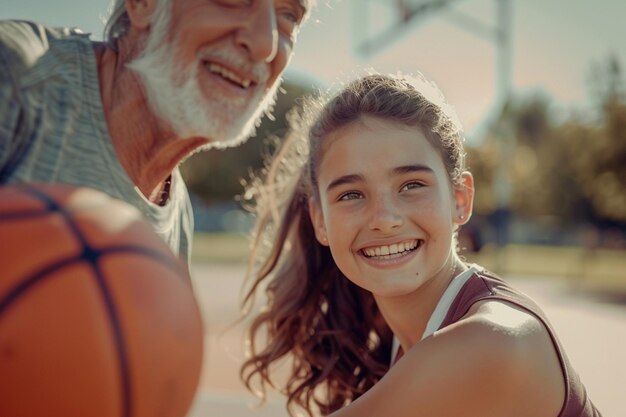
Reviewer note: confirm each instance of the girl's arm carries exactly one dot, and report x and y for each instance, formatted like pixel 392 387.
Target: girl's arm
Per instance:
pixel 498 361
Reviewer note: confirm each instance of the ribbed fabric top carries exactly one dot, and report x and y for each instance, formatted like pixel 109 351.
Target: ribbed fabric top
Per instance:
pixel 53 126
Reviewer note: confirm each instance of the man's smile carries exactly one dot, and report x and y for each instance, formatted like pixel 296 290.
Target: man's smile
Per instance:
pixel 241 81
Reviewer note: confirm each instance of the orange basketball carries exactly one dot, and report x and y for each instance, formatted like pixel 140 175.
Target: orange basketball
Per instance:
pixel 97 316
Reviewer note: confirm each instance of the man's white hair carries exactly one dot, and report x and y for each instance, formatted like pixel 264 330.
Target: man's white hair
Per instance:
pixel 118 22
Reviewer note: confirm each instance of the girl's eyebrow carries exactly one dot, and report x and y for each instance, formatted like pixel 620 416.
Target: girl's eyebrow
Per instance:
pixel 409 169
pixel 345 179
pixel 353 178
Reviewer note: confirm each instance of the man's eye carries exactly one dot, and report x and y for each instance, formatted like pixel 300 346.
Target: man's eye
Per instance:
pixel 288 20
pixel 290 15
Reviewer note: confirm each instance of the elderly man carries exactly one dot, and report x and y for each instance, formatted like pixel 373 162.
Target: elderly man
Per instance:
pixel 172 78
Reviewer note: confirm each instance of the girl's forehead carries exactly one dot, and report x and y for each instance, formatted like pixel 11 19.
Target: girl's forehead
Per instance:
pixel 363 125
pixel 371 144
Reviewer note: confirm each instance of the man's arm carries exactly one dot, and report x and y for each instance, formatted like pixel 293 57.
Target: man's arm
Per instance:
pixel 21 45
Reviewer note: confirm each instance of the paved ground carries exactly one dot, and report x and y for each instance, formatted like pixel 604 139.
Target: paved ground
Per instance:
pixel 592 330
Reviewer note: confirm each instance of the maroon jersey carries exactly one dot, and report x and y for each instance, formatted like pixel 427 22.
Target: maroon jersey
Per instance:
pixel 485 286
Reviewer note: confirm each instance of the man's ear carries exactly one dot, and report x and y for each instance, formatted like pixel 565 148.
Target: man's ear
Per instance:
pixel 140 12
pixel 317 219
pixel 464 199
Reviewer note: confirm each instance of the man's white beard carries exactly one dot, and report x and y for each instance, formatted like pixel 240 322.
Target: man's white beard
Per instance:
pixel 175 95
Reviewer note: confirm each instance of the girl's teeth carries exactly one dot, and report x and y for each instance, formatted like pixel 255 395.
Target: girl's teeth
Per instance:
pixel 394 249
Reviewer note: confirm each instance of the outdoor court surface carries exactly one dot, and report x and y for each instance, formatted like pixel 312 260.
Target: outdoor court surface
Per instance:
pixel 592 330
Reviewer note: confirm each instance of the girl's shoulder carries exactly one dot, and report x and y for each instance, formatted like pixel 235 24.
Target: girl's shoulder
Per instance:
pixel 511 350
pixel 497 320
pixel 497 360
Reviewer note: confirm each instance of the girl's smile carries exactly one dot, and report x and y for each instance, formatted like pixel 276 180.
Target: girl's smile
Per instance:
pixel 391 256
pixel 390 252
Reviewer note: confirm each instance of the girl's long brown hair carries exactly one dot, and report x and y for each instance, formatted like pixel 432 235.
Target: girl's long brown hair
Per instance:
pixel 331 329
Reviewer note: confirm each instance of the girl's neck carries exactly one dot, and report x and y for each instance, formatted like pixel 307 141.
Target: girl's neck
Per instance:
pixel 408 315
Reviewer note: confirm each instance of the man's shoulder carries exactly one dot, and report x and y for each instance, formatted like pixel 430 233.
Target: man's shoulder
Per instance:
pixel 22 42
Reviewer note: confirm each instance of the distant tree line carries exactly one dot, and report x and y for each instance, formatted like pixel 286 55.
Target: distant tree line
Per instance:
pixel 571 169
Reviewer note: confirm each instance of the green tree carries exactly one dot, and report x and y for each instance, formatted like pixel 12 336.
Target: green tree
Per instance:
pixel 521 147
pixel 570 171
pixel 597 149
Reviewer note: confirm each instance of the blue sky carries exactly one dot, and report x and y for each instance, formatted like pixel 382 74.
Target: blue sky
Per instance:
pixel 555 43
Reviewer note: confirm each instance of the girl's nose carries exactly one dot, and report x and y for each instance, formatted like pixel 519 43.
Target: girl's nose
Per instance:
pixel 385 215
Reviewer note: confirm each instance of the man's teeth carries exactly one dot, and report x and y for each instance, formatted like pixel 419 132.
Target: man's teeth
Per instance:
pixel 396 248
pixel 229 75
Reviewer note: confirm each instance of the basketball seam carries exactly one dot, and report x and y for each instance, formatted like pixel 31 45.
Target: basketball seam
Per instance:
pixel 89 253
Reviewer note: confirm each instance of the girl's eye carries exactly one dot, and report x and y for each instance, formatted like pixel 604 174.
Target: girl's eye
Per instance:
pixel 412 185
pixel 350 195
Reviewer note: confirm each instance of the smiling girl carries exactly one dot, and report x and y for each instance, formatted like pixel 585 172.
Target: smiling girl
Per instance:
pixel 355 247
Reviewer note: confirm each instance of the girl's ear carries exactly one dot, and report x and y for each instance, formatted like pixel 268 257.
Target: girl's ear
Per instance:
pixel 317 219
pixel 464 199
pixel 140 12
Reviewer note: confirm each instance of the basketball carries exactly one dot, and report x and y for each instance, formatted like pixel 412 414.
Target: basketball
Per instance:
pixel 97 315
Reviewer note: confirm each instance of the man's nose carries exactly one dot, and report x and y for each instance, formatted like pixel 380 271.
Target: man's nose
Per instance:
pixel 259 34
pixel 385 216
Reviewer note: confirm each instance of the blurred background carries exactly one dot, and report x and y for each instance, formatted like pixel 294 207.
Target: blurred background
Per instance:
pixel 540 87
